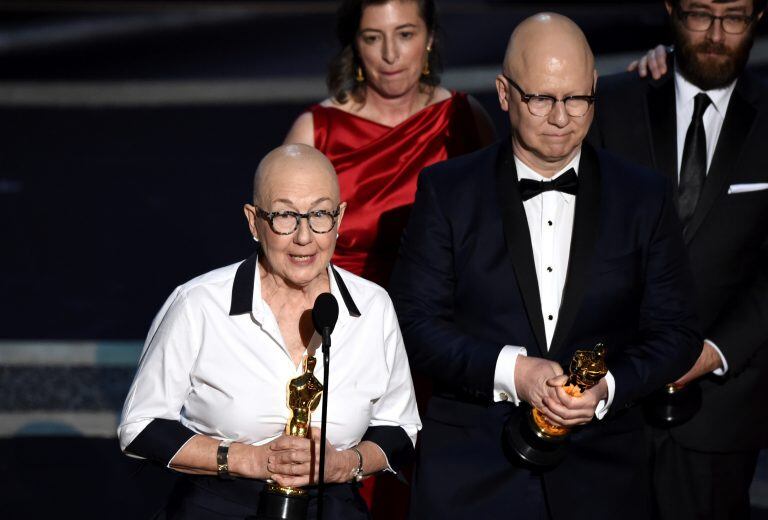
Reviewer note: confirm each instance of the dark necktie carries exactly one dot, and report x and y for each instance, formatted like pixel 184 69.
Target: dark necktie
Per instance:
pixel 693 170
pixel 566 183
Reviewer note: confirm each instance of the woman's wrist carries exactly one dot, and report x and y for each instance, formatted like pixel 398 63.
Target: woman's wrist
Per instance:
pixel 247 461
pixel 348 466
pixel 357 470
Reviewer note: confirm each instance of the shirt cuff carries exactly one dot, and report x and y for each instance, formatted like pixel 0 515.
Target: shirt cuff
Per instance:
pixel 504 376
pixel 395 443
pixel 718 371
pixel 605 404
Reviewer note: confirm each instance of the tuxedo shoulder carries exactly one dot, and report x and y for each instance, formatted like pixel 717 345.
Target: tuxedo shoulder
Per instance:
pixel 461 171
pixel 621 83
pixel 755 88
pixel 625 175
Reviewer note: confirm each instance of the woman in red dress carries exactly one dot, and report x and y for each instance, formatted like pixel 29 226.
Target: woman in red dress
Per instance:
pixel 386 120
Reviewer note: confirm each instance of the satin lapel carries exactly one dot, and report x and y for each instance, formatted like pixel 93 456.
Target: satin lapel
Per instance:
pixel 586 222
pixel 736 126
pixel 663 126
pixel 518 239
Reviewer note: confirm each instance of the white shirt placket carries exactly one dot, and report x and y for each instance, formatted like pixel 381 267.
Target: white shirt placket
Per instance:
pixel 549 302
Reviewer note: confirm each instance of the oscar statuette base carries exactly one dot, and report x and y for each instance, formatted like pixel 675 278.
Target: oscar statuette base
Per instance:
pixel 534 449
pixel 277 505
pixel 672 406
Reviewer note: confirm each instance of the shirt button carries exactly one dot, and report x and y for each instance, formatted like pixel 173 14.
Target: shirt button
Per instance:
pixel 549 269
pixel 550 318
pixel 549 222
pixel 504 396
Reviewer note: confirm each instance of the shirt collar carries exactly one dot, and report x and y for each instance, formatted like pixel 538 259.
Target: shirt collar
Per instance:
pixel 685 91
pixel 246 291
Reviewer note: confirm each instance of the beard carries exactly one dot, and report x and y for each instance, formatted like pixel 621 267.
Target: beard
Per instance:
pixel 710 72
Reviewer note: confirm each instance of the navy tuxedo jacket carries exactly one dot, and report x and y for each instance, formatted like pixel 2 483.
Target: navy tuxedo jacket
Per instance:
pixel 465 285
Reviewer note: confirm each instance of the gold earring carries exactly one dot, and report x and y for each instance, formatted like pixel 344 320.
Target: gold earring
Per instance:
pixel 359 74
pixel 425 69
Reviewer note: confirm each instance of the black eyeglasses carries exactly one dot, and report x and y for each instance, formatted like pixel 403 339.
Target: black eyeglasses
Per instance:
pixel 700 21
pixel 287 222
pixel 541 104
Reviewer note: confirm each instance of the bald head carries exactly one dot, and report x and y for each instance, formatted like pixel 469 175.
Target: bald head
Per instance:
pixel 293 163
pixel 548 56
pixel 548 43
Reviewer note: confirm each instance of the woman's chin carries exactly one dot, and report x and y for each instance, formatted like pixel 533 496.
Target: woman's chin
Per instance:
pixel 395 89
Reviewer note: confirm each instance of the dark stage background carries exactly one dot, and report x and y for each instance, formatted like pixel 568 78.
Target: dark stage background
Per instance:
pixel 129 132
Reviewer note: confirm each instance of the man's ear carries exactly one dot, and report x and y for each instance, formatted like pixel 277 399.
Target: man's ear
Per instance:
pixel 503 93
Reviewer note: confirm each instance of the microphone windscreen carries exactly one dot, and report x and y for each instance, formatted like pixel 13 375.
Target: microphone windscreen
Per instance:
pixel 325 312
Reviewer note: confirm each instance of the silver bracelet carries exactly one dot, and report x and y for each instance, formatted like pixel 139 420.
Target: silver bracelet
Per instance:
pixel 357 474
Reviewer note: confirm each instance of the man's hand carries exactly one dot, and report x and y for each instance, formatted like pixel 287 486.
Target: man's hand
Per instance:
pixel 566 410
pixel 531 375
pixel 654 61
pixel 708 361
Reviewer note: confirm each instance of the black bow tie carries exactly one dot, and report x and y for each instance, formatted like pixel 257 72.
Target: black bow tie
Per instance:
pixel 566 183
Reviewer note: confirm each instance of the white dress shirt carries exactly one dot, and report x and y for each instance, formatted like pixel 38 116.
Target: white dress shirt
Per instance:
pixel 226 376
pixel 713 118
pixel 550 222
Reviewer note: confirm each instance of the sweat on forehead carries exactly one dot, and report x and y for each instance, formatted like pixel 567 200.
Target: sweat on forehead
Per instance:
pixel 546 39
pixel 285 163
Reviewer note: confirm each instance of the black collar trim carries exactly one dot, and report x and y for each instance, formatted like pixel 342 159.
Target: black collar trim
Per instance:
pixel 348 301
pixel 242 289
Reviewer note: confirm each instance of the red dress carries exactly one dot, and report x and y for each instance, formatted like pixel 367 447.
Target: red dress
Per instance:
pixel 378 167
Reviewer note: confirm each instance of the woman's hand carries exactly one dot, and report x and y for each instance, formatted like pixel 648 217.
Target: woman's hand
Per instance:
pixel 295 461
pixel 654 61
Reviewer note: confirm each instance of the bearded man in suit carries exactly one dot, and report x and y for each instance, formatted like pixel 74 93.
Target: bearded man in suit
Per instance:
pixel 516 256
pixel 704 125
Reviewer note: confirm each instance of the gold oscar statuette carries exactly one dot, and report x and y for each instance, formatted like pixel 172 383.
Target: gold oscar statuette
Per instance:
pixel 539 442
pixel 587 368
pixel 304 392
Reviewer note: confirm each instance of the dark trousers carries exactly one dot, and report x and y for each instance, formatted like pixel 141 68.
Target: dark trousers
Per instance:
pixel 696 485
pixel 199 498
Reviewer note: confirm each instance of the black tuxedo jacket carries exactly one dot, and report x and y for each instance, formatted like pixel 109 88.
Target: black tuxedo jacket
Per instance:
pixel 727 242
pixel 465 285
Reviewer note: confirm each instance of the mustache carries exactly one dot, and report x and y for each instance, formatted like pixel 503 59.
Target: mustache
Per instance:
pixel 711 48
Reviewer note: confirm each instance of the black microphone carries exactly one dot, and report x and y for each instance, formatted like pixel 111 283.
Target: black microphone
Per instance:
pixel 325 312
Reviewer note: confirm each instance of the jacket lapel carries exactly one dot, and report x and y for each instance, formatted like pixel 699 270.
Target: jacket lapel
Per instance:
pixel 585 230
pixel 662 123
pixel 518 240
pixel 736 126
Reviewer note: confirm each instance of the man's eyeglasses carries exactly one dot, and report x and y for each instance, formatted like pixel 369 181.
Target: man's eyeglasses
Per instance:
pixel 541 104
pixel 700 21
pixel 287 222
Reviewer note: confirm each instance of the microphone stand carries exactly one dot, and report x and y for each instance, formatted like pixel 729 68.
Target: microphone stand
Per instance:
pixel 324 420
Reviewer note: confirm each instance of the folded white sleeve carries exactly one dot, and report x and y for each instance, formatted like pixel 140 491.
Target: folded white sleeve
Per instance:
pixel 604 405
pixel 718 371
pixel 504 376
